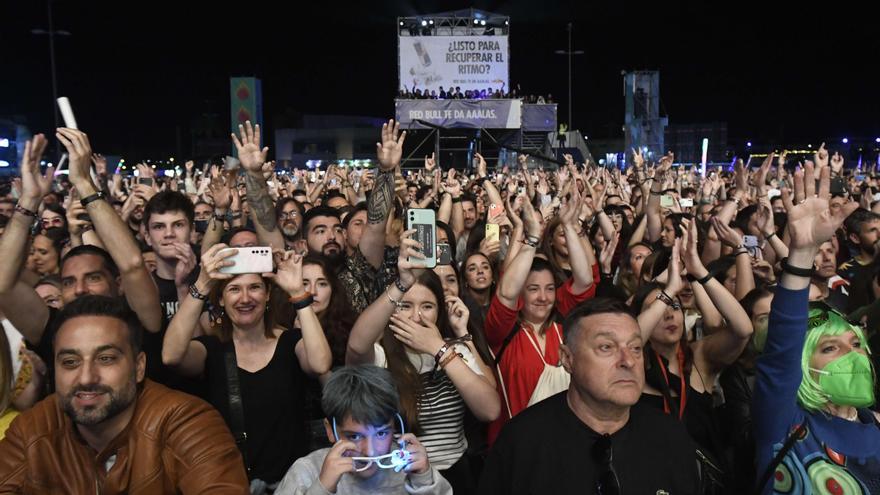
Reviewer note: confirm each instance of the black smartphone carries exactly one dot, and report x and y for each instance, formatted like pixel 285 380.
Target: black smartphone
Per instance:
pixel 147 181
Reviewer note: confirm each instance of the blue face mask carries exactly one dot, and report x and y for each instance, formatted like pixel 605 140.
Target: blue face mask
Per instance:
pixel 397 460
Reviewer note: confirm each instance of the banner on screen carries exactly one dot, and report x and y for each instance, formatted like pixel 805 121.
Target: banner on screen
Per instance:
pixel 486 114
pixel 467 62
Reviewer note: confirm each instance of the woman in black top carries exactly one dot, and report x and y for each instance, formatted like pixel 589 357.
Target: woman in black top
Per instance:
pixel 271 362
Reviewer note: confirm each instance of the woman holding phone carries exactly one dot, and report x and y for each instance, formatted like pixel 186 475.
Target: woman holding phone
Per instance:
pixel 270 362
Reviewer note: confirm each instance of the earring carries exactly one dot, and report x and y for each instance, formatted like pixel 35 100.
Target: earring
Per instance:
pixel 220 315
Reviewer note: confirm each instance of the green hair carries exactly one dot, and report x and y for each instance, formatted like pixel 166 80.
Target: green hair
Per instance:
pixel 822 321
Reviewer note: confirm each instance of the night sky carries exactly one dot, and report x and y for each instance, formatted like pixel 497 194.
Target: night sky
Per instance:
pixel 139 73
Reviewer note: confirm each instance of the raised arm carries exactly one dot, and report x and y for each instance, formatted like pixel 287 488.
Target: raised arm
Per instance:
pixel 28 315
pixel 137 283
pixel 179 350
pixel 655 223
pixel 721 348
pixel 581 265
pixel 221 193
pixel 381 201
pixel 313 351
pixel 745 279
pixel 262 209
pixel 649 318
pixel 779 367
pixel 370 325
pixel 518 271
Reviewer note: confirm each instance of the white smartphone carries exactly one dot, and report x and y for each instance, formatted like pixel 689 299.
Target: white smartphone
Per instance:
pixel 772 193
pixel 256 259
pixel 686 202
pixel 424 222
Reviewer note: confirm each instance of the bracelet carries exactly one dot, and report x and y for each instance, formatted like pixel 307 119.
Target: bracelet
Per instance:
pixel 303 303
pixel 441 352
pixel 235 215
pixel 794 270
pixel 456 200
pixel 530 242
pixel 94 197
pixel 657 193
pixel 193 291
pixel 400 286
pixel 663 296
pixel 702 281
pixel 769 236
pixel 301 297
pixel 449 359
pixel 25 211
pixel 396 303
pixel 735 200
pixel 742 252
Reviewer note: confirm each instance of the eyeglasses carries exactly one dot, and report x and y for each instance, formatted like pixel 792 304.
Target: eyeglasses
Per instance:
pixel 607 482
pixel 288 214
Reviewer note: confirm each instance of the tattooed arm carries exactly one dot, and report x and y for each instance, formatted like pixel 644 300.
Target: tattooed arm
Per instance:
pixel 389 151
pixel 262 209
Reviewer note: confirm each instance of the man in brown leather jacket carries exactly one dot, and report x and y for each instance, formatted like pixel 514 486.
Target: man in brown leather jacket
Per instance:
pixel 106 429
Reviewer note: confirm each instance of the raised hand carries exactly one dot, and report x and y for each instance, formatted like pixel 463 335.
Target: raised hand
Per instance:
pixel 606 256
pixel 811 223
pixel 221 193
pixel 458 315
pixel 691 253
pixel 408 271
pixel 821 157
pixel 35 185
pixel 530 221
pixel 186 262
pixel 100 163
pixel 79 153
pixel 481 165
pixel 430 163
pixel 289 273
pixel 727 235
pixel 248 146
pixel 212 261
pixel 390 150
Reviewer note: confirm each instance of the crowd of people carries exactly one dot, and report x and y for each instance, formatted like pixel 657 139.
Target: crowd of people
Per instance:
pixel 455 93
pixel 583 330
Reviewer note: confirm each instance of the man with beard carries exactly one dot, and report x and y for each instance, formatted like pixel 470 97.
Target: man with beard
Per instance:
pixel 863 231
pixel 290 219
pixel 322 227
pixel 107 428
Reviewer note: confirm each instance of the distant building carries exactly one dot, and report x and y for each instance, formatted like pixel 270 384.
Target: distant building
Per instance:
pixel 686 141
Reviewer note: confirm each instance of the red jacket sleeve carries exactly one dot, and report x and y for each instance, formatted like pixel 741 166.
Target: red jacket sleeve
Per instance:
pixel 566 300
pixel 499 321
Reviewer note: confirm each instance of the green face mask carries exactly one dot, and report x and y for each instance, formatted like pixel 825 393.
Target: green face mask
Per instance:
pixel 848 380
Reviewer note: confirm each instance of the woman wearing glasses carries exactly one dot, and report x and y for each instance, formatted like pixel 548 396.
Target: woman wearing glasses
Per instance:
pixel 814 430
